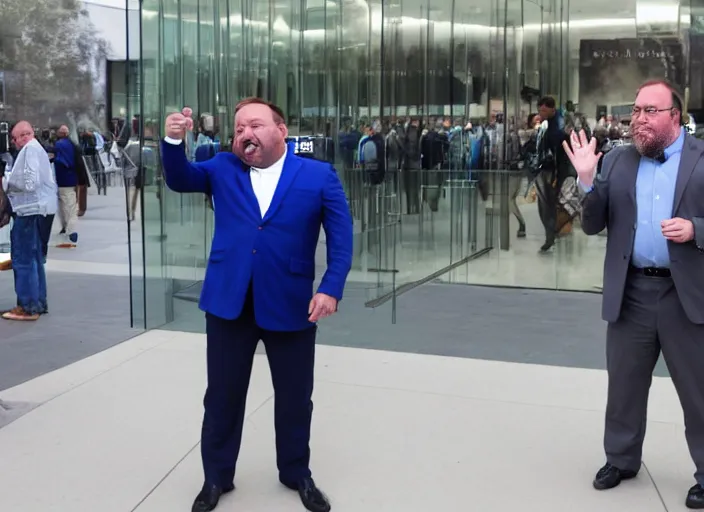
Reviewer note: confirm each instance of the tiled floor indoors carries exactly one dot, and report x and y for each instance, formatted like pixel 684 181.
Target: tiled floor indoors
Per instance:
pixel 392 432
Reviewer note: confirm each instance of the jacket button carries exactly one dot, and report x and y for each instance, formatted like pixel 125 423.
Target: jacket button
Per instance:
pixel 254 251
pixel 260 228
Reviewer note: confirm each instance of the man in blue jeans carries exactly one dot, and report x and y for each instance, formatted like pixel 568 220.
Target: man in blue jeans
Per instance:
pixel 32 192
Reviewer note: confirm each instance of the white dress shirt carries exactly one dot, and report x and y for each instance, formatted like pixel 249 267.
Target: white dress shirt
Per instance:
pixel 264 181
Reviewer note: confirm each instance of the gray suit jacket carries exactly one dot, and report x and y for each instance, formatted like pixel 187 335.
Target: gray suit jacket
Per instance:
pixel 612 204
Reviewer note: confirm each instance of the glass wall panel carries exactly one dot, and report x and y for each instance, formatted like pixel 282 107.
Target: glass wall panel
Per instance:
pixel 134 140
pixel 451 88
pixel 76 64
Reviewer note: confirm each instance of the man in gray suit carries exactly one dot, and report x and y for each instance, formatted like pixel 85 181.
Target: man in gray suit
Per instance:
pixel 649 197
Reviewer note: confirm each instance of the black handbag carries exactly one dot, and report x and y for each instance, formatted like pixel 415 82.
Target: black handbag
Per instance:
pixel 5 209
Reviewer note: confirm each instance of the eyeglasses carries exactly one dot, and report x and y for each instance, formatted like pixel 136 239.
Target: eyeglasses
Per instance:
pixel 649 111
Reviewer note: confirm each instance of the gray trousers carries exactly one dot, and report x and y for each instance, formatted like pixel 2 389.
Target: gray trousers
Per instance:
pixel 652 320
pixel 514 188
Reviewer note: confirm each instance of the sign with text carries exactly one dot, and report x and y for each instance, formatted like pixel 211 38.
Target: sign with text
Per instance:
pixel 311 146
pixel 610 70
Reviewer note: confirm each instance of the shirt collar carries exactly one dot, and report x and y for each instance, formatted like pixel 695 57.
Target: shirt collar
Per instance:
pixel 32 142
pixel 25 149
pixel 675 147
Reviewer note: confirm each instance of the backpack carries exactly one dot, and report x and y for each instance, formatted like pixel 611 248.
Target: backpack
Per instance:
pixel 372 158
pixel 538 156
pixel 5 209
pixel 4 138
pixel 393 146
pixel 368 154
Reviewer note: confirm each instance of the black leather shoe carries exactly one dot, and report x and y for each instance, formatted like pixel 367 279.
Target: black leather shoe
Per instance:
pixel 695 497
pixel 547 245
pixel 610 476
pixel 311 497
pixel 209 496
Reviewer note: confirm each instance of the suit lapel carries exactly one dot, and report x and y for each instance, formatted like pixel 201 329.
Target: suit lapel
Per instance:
pixel 630 170
pixel 245 183
pixel 688 161
pixel 291 167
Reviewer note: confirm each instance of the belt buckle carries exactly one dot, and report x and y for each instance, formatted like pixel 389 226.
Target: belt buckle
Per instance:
pixel 656 272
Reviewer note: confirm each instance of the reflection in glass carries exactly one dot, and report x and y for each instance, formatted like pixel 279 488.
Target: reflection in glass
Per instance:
pixel 447 93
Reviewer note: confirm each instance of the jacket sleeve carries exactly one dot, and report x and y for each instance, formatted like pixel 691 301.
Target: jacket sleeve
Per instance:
pixel 31 170
pixel 337 223
pixel 180 174
pixel 595 205
pixel 698 223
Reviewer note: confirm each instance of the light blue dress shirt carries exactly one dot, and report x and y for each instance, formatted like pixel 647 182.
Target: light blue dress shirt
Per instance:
pixel 655 196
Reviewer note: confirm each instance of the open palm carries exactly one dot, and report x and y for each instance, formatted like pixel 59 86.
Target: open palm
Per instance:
pixel 582 153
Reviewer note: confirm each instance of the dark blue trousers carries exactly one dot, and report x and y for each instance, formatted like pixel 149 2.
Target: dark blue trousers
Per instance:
pixel 230 354
pixel 45 225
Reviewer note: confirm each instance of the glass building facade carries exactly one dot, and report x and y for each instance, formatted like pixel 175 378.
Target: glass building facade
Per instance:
pixel 338 69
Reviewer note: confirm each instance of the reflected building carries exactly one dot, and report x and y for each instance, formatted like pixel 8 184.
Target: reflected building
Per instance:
pixel 464 77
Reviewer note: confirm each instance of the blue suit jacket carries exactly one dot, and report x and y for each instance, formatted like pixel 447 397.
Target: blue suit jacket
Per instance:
pixel 275 253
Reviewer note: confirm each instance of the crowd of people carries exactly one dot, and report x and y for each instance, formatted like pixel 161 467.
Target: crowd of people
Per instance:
pixel 416 157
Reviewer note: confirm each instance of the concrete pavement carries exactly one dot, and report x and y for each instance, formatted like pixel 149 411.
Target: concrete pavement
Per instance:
pixel 392 431
pixel 440 421
pixel 89 298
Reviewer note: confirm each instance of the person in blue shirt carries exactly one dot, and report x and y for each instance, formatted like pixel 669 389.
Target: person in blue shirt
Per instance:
pixel 648 197
pixel 65 165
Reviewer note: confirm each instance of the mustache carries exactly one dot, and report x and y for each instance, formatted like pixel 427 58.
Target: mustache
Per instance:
pixel 641 129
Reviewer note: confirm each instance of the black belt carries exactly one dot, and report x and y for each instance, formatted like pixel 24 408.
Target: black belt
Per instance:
pixel 650 271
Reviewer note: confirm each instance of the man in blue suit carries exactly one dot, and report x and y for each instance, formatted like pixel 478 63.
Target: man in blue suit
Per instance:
pixel 269 207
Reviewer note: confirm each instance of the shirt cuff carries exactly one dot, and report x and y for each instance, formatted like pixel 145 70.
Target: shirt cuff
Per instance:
pixel 170 140
pixel 584 188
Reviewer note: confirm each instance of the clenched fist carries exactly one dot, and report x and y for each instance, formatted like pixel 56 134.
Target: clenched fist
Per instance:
pixel 175 126
pixel 188 113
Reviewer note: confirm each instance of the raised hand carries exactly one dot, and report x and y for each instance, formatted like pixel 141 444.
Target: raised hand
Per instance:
pixel 175 126
pixel 188 114
pixel 582 153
